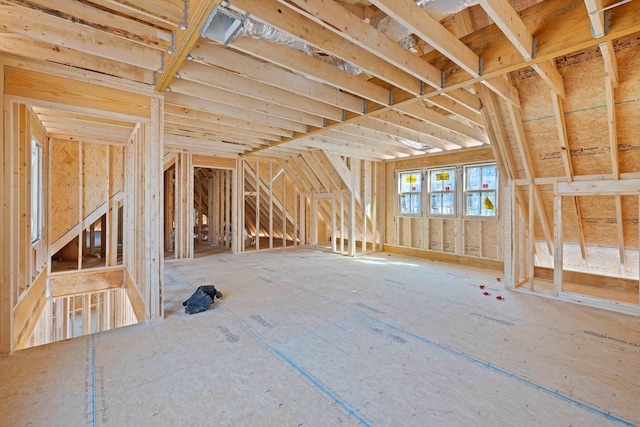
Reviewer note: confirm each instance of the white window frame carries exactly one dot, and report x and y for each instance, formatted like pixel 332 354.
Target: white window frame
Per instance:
pixel 466 191
pixel 453 173
pixel 418 193
pixel 37 192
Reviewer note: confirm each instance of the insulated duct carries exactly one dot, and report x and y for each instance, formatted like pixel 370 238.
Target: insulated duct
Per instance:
pixel 438 9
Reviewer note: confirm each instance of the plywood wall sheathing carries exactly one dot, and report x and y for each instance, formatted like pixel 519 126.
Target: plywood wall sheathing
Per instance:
pixel 95 177
pixel 65 179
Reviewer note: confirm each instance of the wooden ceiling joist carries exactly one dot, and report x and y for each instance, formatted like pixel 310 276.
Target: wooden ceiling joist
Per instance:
pixel 313 67
pixel 236 100
pixel 206 117
pixel 507 19
pixel 420 23
pixel 232 111
pixel 243 65
pixel 234 83
pixel 49 29
pixel 291 22
pixel 345 24
pixel 87 15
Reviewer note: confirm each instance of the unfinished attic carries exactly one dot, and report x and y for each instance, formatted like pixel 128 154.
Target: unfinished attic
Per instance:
pixel 315 145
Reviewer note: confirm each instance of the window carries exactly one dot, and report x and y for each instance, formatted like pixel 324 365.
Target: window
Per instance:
pixel 442 186
pixel 36 191
pixel 480 190
pixel 410 189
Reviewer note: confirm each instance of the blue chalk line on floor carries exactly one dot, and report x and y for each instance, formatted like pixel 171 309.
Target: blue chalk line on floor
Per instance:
pixel 506 373
pixel 301 371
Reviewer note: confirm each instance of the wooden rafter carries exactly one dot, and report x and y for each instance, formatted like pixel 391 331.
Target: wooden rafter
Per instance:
pixel 493 119
pixel 610 62
pixel 291 22
pixel 302 63
pixel 423 25
pixel 186 38
pixel 507 19
pixel 345 24
pixel 504 88
pixel 558 110
pixel 549 73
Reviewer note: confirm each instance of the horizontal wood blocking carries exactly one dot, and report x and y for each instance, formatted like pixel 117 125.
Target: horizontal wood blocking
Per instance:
pixel 444 159
pixel 213 162
pixel 445 257
pixel 589 279
pixel 74 283
pixel 31 84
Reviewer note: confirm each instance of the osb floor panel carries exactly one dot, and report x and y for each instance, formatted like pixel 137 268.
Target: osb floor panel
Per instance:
pixel 307 338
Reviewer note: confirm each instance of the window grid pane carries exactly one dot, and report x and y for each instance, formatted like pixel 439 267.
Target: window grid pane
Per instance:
pixel 480 185
pixel 442 185
pixel 410 189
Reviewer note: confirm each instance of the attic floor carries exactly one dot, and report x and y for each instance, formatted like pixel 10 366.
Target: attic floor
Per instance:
pixel 304 337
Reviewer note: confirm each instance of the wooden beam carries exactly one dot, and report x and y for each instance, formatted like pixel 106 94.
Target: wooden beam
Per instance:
pixel 75 283
pixel 610 62
pixel 345 24
pixel 549 73
pixel 169 12
pixel 507 19
pixel 175 113
pixel 218 108
pixel 27 312
pixel 198 11
pixel 447 137
pixel 456 108
pixel 236 84
pixel 18 44
pixel 421 111
pixel 613 128
pixel 315 68
pixel 558 110
pixel 50 29
pixel 135 298
pixel 210 53
pixel 423 25
pixel 596 15
pixel 291 22
pixel 599 188
pixel 504 89
pixel 31 84
pixel 77 12
pixel 232 99
pixel 494 117
pixel 620 229
pixel 581 239
pixel 387 125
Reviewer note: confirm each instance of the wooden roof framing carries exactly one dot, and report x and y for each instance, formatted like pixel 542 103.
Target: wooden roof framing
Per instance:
pixel 550 85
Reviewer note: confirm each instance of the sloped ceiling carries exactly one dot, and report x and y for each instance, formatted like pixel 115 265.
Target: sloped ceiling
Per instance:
pixel 510 64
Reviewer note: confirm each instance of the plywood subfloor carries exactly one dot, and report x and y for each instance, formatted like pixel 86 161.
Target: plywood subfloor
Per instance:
pixel 308 338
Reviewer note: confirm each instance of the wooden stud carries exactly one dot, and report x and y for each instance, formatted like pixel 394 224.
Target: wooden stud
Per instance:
pixel 558 260
pixel 351 215
pixel 270 186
